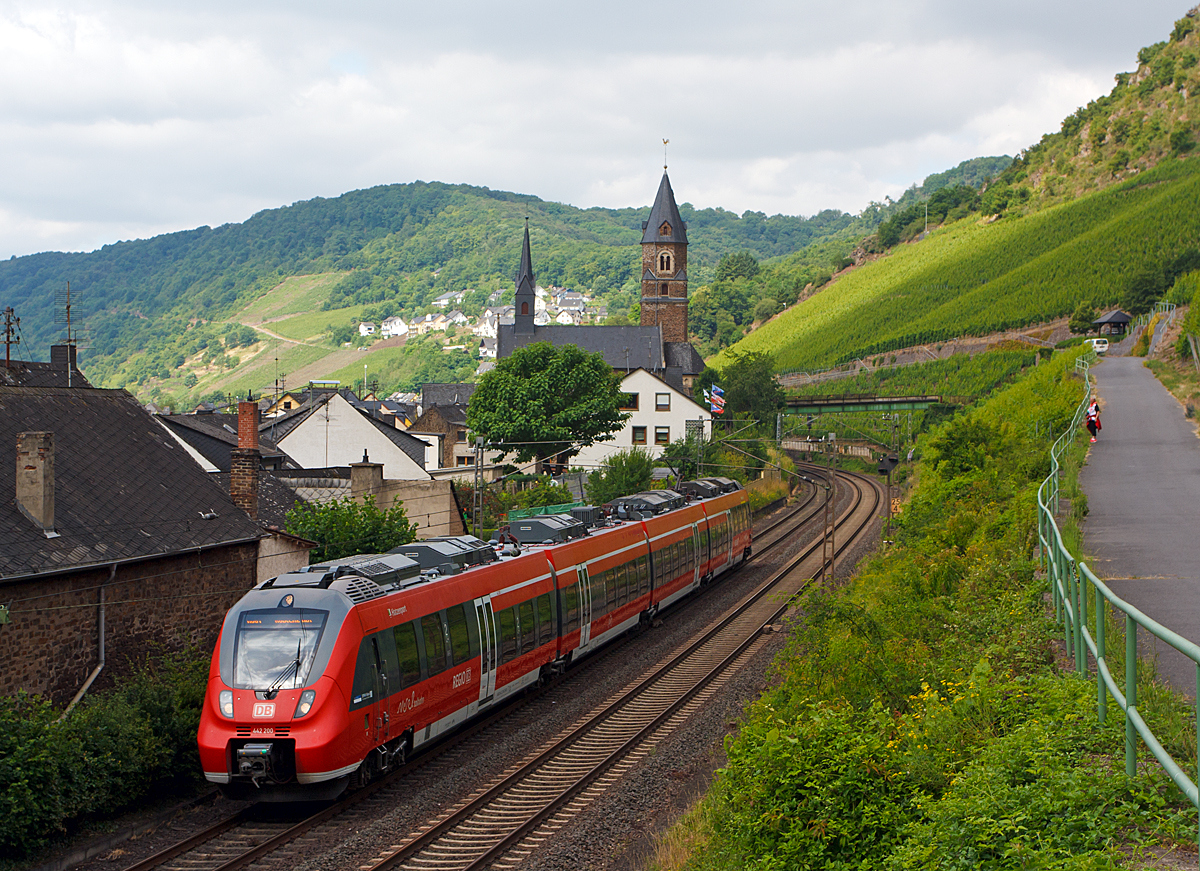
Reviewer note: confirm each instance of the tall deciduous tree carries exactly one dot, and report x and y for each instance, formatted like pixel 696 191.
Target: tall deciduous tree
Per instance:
pixel 544 401
pixel 750 386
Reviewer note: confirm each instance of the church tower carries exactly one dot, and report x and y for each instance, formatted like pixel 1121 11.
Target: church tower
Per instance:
pixel 664 267
pixel 525 301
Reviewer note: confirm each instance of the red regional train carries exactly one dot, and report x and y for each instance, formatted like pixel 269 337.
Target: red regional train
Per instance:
pixel 332 675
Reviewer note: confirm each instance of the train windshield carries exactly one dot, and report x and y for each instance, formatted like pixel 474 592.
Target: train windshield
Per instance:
pixel 275 647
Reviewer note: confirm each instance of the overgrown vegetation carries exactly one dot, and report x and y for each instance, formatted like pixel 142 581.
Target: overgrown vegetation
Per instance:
pixel 112 750
pixel 918 718
pixel 345 527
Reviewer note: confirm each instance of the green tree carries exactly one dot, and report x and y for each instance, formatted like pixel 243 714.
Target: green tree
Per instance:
pixel 1081 320
pixel 1144 289
pixel 742 264
pixel 545 401
pixel 345 527
pixel 619 475
pixel 750 386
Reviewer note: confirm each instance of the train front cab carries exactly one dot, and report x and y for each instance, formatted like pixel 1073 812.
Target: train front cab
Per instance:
pixel 270 692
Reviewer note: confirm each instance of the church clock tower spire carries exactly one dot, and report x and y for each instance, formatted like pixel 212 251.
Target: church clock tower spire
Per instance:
pixel 664 267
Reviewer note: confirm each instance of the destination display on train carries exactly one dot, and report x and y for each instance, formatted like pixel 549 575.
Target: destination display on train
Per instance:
pixel 282 618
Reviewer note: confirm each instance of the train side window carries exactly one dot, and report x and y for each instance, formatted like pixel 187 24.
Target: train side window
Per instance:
pixel 508 634
pixel 366 677
pixel 408 657
pixel 643 573
pixel 460 638
pixel 528 627
pixel 570 608
pixel 610 589
pixel 545 617
pixel 597 592
pixel 435 643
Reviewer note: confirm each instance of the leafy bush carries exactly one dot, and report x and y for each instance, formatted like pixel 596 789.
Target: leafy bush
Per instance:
pixel 110 751
pixel 916 719
pixel 345 527
pixel 621 474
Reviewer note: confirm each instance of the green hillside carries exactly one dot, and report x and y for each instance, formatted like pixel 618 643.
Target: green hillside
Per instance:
pixel 397 246
pixel 976 277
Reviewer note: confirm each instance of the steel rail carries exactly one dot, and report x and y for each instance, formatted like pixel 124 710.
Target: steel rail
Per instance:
pixel 793 520
pixel 472 828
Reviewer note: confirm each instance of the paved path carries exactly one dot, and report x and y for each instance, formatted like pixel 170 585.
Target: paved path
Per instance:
pixel 1142 531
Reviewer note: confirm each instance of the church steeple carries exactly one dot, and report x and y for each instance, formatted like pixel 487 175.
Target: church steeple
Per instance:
pixel 525 299
pixel 664 266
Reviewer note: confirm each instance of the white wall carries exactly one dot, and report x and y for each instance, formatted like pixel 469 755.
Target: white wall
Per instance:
pixel 646 385
pixel 337 435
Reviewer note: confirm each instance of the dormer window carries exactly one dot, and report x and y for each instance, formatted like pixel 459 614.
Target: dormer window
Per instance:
pixel 664 262
pixel 665 229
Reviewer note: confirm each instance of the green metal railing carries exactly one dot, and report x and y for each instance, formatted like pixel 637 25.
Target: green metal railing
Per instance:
pixel 1072 584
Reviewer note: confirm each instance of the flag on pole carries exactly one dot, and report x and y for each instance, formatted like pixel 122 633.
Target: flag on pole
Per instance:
pixel 716 402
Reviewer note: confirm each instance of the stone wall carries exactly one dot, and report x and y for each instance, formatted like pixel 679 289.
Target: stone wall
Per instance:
pixel 153 606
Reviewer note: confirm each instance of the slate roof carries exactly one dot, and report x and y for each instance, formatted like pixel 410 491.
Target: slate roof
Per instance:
pixel 682 356
pixel 275 498
pixel 281 426
pixel 626 348
pixel 214 436
pixel 124 489
pixel 446 394
pixel 1116 316
pixel 664 209
pixel 56 373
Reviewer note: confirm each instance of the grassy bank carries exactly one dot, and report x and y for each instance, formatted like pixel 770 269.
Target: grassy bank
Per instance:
pixel 920 716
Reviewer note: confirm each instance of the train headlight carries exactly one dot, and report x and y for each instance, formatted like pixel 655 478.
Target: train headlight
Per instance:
pixel 225 703
pixel 307 698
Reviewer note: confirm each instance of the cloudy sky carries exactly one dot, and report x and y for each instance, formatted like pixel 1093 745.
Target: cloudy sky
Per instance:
pixel 123 119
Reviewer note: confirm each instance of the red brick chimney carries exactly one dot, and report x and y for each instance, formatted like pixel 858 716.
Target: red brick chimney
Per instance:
pixel 35 479
pixel 245 461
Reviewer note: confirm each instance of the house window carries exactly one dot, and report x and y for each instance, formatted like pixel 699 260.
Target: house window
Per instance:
pixel 462 435
pixel 662 401
pixel 630 402
pixel 664 262
pixel 639 435
pixel 464 461
pixel 662 435
pixel 662 290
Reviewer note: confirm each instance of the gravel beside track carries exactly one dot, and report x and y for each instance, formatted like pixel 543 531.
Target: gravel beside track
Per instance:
pixel 618 830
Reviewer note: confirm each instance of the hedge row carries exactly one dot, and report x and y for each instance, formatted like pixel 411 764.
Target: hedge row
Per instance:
pixel 110 751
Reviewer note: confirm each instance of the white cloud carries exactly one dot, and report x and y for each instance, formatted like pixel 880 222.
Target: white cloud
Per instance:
pixel 125 118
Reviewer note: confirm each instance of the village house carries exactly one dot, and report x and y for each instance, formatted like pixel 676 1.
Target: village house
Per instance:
pixel 113 541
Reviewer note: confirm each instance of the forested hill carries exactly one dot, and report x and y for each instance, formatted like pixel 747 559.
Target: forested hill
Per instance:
pixel 404 242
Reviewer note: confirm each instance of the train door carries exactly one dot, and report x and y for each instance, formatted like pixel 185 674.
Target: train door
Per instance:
pixel 695 555
pixel 370 691
pixel 489 651
pixel 585 608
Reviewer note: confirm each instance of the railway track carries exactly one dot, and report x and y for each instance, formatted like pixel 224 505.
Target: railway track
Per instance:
pixel 509 818
pixel 504 823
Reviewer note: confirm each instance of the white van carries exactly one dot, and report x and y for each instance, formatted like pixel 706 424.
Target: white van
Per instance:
pixel 1100 346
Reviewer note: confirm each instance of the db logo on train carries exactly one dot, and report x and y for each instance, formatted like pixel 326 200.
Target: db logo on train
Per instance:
pixel 261 709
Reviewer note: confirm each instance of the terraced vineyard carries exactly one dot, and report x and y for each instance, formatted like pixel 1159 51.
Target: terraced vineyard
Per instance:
pixel 972 278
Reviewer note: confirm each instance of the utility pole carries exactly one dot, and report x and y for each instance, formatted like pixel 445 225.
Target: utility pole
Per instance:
pixel 829 557
pixel 11 322
pixel 477 493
